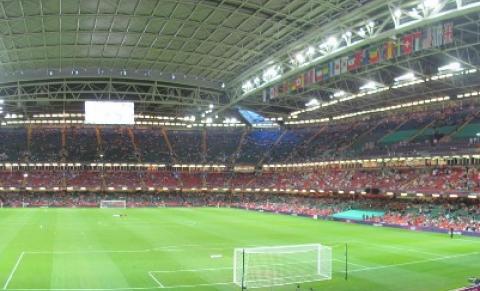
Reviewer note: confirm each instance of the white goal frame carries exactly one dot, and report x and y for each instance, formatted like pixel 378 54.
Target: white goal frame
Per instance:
pixel 260 267
pixel 104 204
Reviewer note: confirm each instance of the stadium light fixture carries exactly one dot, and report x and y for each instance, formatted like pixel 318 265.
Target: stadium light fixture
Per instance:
pixel 414 13
pixel 339 94
pixel 430 4
pixel 332 41
pixel 247 86
pixel 310 51
pixel 397 13
pixel 405 77
pixel 452 67
pixel 362 33
pixel 369 86
pixel 300 58
pixel 271 73
pixel 347 36
pixel 313 102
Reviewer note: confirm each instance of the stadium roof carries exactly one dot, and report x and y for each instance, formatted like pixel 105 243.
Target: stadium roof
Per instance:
pixel 178 57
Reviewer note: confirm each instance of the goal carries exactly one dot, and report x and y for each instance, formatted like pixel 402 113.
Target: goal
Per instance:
pixel 113 204
pixel 281 265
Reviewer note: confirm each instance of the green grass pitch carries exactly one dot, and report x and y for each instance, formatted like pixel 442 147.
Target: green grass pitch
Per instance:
pixel 90 249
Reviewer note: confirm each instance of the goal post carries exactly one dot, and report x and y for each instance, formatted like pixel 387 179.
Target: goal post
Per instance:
pixel 113 204
pixel 281 265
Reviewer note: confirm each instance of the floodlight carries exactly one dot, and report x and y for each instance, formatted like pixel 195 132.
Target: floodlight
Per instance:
pixel 339 93
pixel 452 67
pixel 210 106
pixel 313 102
pixel 361 32
pixel 369 86
pixel 310 51
pixel 1 101
pixel 405 77
pixel 300 58
pixel 247 86
pixel 173 76
pixel 332 41
pixel 397 13
pixel 270 73
pixel 431 4
pixel 223 85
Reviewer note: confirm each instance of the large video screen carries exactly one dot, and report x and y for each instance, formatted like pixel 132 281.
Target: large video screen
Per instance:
pixel 109 112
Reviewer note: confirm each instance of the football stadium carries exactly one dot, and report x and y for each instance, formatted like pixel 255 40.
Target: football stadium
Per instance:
pixel 287 145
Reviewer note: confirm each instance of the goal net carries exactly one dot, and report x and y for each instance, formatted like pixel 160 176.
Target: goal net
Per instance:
pixel 113 204
pixel 281 265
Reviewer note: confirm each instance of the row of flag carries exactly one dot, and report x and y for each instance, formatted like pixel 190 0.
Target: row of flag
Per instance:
pixel 428 38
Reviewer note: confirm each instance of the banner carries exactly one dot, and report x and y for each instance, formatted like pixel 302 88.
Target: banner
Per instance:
pixel 407 44
pixel 309 77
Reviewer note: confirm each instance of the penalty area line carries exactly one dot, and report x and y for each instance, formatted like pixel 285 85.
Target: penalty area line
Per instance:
pixel 414 262
pixel 152 275
pixel 15 267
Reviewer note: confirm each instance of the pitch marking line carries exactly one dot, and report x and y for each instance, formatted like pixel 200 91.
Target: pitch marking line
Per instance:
pixel 414 262
pixel 350 263
pixel 13 270
pixel 156 280
pixel 160 285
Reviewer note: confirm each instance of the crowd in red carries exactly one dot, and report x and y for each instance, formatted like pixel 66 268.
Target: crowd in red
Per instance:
pixel 448 180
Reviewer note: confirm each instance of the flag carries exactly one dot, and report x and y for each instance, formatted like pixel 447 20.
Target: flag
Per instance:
pixel 327 70
pixel 331 68
pixel 284 87
pixel 359 59
pixel 448 33
pixel 296 83
pixel 337 68
pixel 437 33
pixel 381 53
pixel 351 63
pixel 399 46
pixel 417 41
pixel 344 65
pixel 366 57
pixel 292 85
pixel 373 55
pixel 273 92
pixel 389 50
pixel 318 74
pixel 300 82
pixel 407 44
pixel 264 95
pixel 427 38
pixel 309 77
